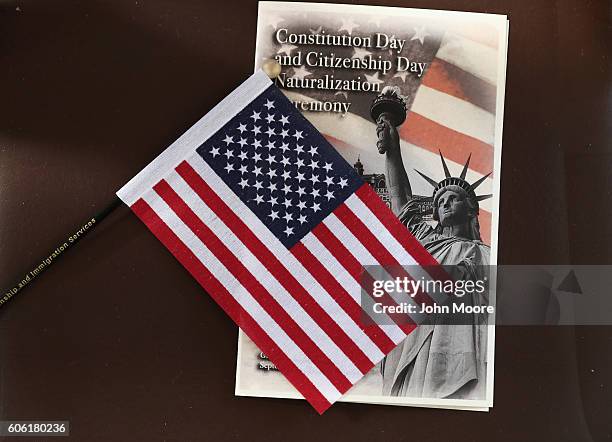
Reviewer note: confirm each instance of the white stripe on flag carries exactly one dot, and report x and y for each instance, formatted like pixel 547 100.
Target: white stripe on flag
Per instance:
pixel 267 280
pixel 304 278
pixel 365 258
pixel 242 296
pixel 404 258
pixel 349 283
pixel 478 59
pixel 454 113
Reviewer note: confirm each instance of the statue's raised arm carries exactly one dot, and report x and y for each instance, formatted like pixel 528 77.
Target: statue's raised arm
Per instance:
pixel 389 111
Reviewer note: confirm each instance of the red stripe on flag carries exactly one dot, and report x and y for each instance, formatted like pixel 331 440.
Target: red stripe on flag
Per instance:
pixel 332 285
pixel 218 292
pixel 412 246
pixel 257 290
pixel 356 270
pixel 484 219
pixel 452 80
pixel 455 146
pixel 377 249
pixel 400 233
pixel 274 266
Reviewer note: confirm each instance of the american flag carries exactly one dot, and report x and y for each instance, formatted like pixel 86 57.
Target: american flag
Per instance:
pixel 275 225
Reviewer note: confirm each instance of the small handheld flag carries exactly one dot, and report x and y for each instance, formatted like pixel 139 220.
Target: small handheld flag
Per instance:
pixel 276 226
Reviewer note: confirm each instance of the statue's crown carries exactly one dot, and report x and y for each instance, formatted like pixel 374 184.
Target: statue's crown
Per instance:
pixel 459 181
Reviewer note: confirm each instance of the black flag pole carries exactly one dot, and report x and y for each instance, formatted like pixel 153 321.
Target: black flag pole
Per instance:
pixel 49 259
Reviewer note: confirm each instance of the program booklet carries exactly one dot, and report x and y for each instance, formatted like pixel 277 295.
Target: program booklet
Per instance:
pixel 447 70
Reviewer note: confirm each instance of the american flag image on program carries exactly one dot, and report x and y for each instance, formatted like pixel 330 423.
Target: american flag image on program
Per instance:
pixel 275 225
pixel 452 106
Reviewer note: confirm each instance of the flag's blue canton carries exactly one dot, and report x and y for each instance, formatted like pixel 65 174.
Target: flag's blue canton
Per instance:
pixel 280 166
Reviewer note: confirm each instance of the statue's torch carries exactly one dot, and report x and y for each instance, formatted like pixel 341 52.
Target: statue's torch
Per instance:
pixel 388 111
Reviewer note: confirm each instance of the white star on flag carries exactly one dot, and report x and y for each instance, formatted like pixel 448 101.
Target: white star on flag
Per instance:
pixel 286 49
pixel 360 53
pixel 419 34
pixel 401 75
pixel 301 72
pixel 348 25
pixel 373 78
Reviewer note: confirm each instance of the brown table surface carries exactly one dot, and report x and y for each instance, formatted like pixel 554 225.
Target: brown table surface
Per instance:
pixel 118 339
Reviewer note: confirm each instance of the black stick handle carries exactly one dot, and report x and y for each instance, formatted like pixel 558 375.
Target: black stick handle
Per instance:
pixel 49 259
